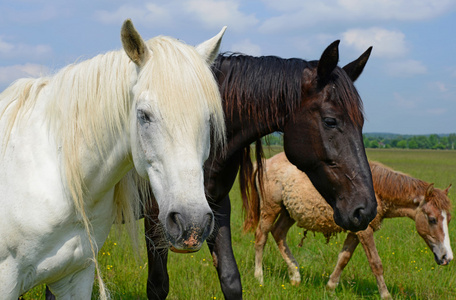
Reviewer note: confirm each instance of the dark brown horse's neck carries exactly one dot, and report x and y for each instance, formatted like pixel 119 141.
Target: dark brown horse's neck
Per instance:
pixel 221 169
pixel 258 92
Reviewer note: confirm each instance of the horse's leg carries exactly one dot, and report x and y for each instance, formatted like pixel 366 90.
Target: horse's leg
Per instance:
pixel 268 214
pixel 366 238
pixel 279 232
pixel 222 252
pixel 49 294
pixel 350 244
pixel 265 223
pixel 158 279
pixel 75 286
pixel 10 283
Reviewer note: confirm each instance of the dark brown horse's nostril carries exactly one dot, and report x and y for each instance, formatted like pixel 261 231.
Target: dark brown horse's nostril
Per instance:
pixel 357 216
pixel 360 219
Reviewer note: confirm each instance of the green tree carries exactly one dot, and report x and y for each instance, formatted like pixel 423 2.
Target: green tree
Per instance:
pixel 395 141
pixel 402 144
pixel 423 142
pixel 366 141
pixel 434 140
pixel 444 141
pixel 374 144
pixel 413 144
pixel 452 140
pixel 439 146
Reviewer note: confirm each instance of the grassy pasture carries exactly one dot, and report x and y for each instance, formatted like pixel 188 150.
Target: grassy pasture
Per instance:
pixel 409 266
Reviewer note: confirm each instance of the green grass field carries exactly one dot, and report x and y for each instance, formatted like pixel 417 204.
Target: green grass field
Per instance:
pixel 409 266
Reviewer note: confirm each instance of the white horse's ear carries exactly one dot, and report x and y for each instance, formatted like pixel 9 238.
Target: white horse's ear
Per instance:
pixel 210 48
pixel 133 44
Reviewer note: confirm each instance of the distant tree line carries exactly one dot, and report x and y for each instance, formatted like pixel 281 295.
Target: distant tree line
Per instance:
pixel 432 141
pixel 389 140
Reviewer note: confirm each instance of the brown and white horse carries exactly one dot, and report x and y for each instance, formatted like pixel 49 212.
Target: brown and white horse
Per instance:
pixel 289 193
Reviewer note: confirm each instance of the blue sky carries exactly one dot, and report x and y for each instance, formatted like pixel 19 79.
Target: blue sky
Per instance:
pixel 408 86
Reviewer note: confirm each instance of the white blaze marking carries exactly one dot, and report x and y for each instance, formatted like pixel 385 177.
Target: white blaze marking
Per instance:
pixel 446 241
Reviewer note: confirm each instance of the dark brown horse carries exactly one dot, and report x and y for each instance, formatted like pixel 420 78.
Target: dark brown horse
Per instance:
pixel 317 108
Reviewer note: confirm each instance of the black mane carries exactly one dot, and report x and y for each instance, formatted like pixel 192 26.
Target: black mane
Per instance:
pixel 264 88
pixel 267 88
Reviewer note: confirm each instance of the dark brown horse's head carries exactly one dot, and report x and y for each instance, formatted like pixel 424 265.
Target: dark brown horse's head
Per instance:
pixel 324 139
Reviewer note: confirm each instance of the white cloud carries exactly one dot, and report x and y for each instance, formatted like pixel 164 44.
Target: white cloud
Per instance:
pixel 405 68
pixel 402 10
pixel 219 13
pixel 311 47
pixel 10 73
pixel 246 47
pixel 307 13
pixel 24 13
pixel 149 13
pixel 5 47
pixel 440 86
pixel 10 50
pixel 402 102
pixel 436 111
pixel 209 13
pixel 386 43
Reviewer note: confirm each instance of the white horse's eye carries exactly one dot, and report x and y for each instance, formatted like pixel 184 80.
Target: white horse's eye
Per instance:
pixel 144 116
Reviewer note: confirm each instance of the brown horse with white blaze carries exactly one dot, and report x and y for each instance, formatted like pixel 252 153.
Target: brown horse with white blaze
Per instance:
pixel 289 193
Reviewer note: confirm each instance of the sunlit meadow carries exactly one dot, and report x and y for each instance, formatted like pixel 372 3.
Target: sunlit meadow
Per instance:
pixel 409 268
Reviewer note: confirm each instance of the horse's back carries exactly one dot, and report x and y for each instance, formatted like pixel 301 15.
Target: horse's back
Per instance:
pixel 274 171
pixel 302 201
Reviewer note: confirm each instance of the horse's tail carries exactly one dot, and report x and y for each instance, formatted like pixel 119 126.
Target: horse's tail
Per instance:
pixel 248 176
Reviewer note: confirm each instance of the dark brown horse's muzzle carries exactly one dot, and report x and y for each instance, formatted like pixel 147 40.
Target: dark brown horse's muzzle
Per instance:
pixel 355 219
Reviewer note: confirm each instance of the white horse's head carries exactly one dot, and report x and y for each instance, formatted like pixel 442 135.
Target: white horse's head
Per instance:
pixel 176 104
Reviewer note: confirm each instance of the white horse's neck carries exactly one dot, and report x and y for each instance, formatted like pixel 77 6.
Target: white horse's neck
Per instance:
pixel 102 172
pixel 89 115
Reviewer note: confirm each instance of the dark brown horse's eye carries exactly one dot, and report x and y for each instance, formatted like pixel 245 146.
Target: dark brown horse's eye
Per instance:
pixel 330 122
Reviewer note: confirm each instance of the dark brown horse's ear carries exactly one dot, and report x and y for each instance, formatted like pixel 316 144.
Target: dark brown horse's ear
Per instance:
pixel 356 67
pixel 327 63
pixel 447 189
pixel 429 190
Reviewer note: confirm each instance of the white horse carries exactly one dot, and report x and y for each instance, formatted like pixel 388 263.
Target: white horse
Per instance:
pixel 67 141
